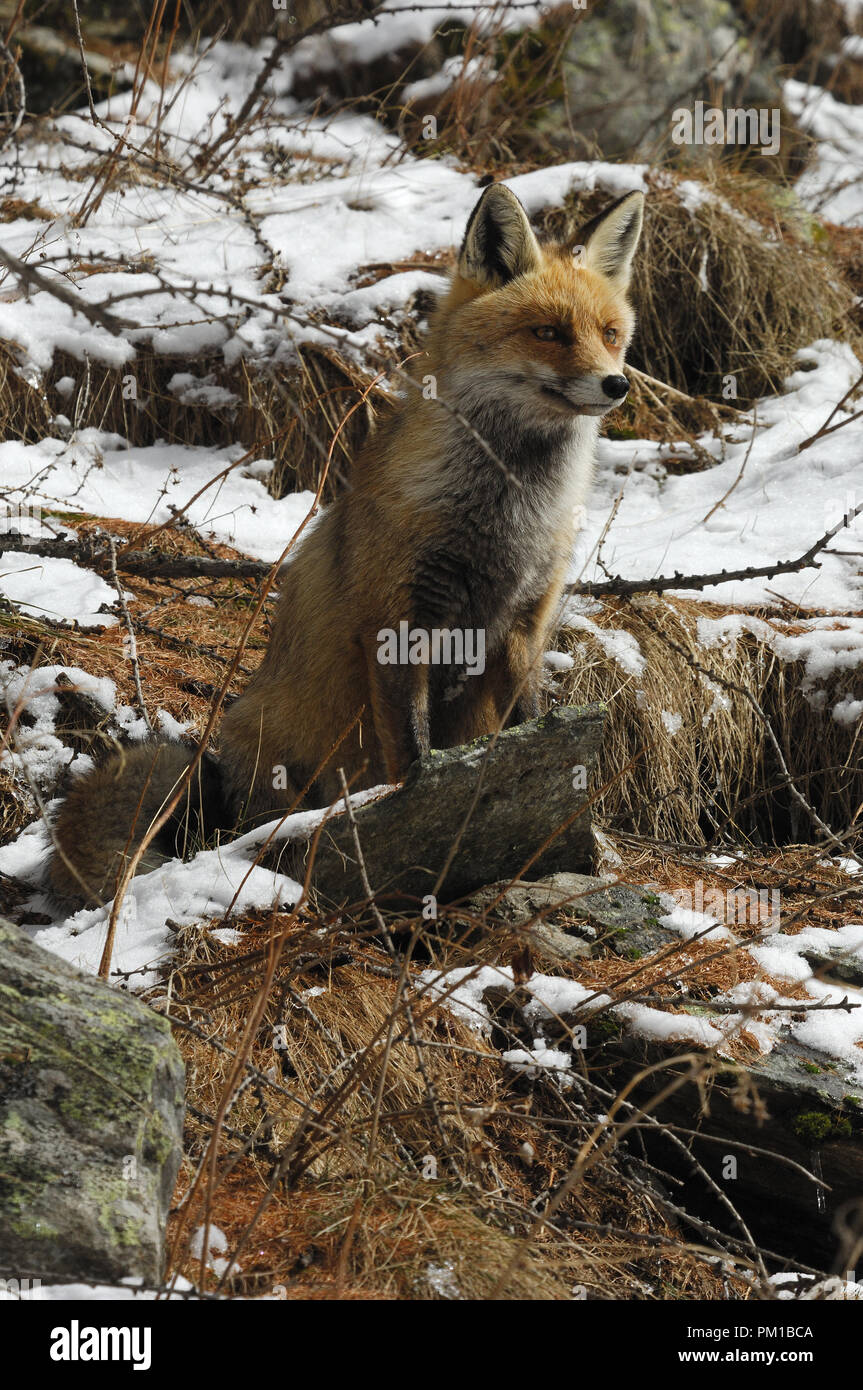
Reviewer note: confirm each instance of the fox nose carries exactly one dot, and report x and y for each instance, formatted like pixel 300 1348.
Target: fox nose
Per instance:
pixel 616 387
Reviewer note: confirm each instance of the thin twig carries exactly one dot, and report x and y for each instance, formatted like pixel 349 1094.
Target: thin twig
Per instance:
pixel 133 643
pixel 100 318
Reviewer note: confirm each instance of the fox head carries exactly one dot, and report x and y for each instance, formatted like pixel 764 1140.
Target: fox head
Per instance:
pixel 543 327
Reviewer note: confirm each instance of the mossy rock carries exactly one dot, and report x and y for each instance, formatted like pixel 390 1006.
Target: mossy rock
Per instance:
pixel 594 914
pixel 500 799
pixel 91 1122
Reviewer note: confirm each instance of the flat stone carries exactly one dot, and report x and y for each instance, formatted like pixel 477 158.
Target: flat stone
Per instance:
pixel 579 913
pixel 846 966
pixel 794 1103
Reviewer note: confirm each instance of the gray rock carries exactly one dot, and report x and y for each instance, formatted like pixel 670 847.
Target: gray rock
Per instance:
pixel 788 1118
pixel 794 1103
pixel 516 793
pixel 91 1120
pixel 843 966
pixel 632 63
pixel 620 917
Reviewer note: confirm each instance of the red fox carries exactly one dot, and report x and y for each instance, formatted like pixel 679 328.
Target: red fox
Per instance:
pixel 416 613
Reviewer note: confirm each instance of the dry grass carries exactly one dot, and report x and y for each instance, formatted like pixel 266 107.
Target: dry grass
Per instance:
pixel 184 646
pixel 717 775
pixel 184 651
pixel 342 1223
pixel 440 1203
pixel 493 118
pixel 289 415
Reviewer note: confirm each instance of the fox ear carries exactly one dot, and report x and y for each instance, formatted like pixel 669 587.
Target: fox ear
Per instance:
pixel 499 243
pixel 610 239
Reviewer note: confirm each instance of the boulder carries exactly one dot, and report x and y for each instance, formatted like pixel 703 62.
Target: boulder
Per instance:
pixel 91 1121
pixel 631 64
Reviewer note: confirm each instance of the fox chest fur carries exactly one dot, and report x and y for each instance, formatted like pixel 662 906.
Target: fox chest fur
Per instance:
pixel 500 522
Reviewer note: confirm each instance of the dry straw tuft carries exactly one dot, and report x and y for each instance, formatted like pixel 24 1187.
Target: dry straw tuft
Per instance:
pixel 709 768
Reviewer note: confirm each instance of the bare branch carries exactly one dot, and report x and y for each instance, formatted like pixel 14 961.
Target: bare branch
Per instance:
pixel 621 588
pixel 100 318
pixel 92 550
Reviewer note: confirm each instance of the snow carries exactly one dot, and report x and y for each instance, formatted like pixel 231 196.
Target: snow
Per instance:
pixel 847 939
pixel 37 688
pixel 831 184
pixel 442 1280
pixel 532 1063
pixel 35 752
pixel 781 505
pixel 124 1291
pixel 204 391
pixel 549 187
pixel 558 661
pixel 56 589
pixel 689 924
pixel 807 1288
pixel 849 866
pixel 101 475
pixel 453 70
pixel 835 1032
pixel 847 711
pixel 209 885
pixel 620 645
pixel 404 24
pixel 216 1241
pixel 754 998
pixel 461 990
pixel 212 884
pixel 657 1026
pixel 217 1245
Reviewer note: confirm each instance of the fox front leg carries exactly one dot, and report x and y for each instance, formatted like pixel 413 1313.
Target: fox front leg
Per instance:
pixel 400 709
pixel 526 643
pixel 522 677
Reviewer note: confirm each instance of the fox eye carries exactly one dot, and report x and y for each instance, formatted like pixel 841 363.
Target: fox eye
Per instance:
pixel 547 334
pixel 610 336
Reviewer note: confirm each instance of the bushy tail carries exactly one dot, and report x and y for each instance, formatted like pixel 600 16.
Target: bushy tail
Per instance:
pixel 108 812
